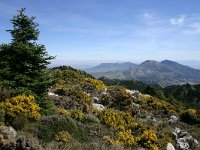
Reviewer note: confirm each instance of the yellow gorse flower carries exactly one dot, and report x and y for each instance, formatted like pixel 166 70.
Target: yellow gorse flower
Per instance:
pixel 22 105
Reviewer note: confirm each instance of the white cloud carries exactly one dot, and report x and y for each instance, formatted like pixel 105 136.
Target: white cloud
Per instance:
pixel 177 21
pixel 148 16
pixel 193 29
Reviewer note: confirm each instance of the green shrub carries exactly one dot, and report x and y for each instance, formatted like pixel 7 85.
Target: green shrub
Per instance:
pixel 51 125
pixel 19 122
pixel 77 114
pixel 189 116
pixel 47 106
pixel 90 118
pixel 117 119
pixel 2 115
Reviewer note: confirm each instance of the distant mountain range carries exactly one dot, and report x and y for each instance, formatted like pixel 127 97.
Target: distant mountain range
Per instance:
pixel 164 73
pixel 105 67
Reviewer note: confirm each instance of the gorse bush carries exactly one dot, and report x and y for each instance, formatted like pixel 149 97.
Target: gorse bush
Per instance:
pixel 117 98
pixel 77 114
pixel 148 140
pixel 126 138
pixel 117 119
pixel 22 105
pixel 62 111
pixel 63 136
pixel 89 84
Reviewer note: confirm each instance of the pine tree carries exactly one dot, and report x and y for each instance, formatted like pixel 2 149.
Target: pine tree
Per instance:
pixel 23 62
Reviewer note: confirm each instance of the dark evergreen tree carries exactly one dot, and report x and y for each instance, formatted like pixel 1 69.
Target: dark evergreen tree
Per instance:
pixel 23 62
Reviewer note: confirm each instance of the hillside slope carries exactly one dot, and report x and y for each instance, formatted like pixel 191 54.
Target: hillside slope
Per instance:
pixel 81 112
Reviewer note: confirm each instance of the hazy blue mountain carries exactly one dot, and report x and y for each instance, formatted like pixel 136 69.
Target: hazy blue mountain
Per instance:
pixel 107 67
pixel 163 73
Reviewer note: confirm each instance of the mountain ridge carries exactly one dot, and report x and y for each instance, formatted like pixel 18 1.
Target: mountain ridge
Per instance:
pixel 164 73
pixel 104 67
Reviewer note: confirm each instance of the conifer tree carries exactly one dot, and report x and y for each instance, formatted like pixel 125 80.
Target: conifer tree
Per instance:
pixel 23 62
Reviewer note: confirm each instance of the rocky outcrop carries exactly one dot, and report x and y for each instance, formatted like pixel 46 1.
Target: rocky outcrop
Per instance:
pixel 170 146
pixel 134 93
pixel 10 141
pixel 173 119
pixel 7 138
pixel 52 94
pixel 98 106
pixel 184 141
pixel 27 143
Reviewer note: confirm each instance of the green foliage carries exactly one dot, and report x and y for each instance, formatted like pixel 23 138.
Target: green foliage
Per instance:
pixel 19 122
pixel 90 118
pixel 188 94
pixel 154 92
pixel 129 84
pixel 2 115
pixel 51 125
pixel 23 62
pixel 47 106
pixel 189 116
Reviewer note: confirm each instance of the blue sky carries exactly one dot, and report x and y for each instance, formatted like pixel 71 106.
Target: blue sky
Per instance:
pixel 81 32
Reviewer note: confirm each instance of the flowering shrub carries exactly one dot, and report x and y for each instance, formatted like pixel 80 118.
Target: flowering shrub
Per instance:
pixel 126 138
pixel 62 90
pixel 63 136
pixel 77 114
pixel 92 84
pixel 117 98
pixel 148 140
pixel 63 111
pixel 122 138
pixel 22 105
pixel 117 119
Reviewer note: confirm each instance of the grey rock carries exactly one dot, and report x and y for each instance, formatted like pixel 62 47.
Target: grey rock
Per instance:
pixel 173 119
pixel 7 138
pixel 184 141
pixel 95 99
pixel 170 146
pixel 98 106
pixel 27 143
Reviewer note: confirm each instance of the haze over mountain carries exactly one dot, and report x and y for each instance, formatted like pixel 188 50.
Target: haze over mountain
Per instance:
pixel 104 67
pixel 164 73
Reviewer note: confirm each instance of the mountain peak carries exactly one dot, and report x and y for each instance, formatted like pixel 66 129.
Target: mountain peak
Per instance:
pixel 149 62
pixel 168 62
